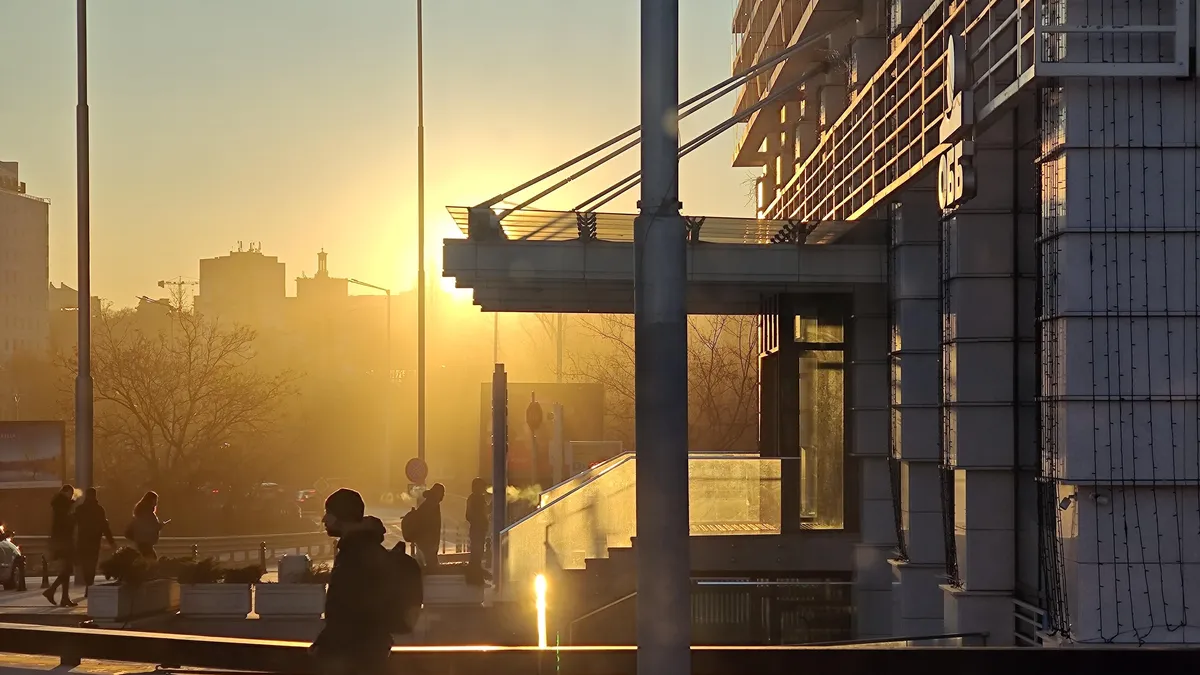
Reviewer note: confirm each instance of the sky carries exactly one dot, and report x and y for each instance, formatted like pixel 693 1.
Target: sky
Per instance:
pixel 293 123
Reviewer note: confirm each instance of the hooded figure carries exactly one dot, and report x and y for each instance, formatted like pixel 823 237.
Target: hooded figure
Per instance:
pixel 355 639
pixel 428 537
pixel 62 543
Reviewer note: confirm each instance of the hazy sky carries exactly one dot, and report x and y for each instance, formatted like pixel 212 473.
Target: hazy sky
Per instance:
pixel 293 122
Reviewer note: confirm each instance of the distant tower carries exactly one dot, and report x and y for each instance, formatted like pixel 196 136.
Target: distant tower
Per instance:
pixel 322 269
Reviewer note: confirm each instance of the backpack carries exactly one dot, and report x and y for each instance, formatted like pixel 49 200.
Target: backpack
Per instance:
pixel 403 593
pixel 410 526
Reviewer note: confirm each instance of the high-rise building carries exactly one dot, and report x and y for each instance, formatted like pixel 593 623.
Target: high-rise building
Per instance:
pixel 244 287
pixel 24 267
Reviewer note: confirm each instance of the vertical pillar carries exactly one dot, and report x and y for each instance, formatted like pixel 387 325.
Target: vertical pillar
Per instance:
pixel 867 376
pixel 664 606
pixel 1120 329
pixel 988 371
pixel 915 412
pixel 788 386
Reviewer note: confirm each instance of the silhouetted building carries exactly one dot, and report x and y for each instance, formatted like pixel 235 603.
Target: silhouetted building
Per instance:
pixel 244 287
pixel 24 267
pixel 64 317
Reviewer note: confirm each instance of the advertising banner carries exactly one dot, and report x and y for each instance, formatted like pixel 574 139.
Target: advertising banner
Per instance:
pixel 32 454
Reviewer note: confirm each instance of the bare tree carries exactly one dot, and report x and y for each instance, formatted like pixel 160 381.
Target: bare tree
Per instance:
pixel 183 405
pixel 722 377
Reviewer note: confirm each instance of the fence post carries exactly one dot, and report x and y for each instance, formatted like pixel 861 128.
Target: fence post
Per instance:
pixel 21 576
pixel 195 551
pixel 45 573
pixel 262 555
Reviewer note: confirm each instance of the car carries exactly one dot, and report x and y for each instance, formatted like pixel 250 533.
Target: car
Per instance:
pixel 309 502
pixel 12 561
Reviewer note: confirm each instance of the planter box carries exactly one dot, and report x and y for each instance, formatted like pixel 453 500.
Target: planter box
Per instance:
pixel 113 602
pixel 289 601
pixel 214 601
pixel 450 590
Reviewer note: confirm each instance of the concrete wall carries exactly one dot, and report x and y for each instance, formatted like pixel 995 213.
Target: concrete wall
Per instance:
pixel 1121 350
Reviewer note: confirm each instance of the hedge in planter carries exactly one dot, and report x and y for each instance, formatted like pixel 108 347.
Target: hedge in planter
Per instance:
pixel 304 600
pixel 209 592
pixel 136 588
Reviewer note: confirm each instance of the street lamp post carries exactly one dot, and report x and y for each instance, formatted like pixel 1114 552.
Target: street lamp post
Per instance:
pixel 387 400
pixel 420 234
pixel 83 378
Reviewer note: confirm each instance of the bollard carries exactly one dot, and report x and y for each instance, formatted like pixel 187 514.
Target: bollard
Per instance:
pixel 195 551
pixel 262 555
pixel 21 574
pixel 45 573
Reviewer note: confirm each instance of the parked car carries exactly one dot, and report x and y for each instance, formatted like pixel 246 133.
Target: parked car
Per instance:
pixel 12 561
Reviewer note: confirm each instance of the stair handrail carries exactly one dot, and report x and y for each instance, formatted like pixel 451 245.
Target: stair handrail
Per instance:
pixel 625 457
pixel 597 469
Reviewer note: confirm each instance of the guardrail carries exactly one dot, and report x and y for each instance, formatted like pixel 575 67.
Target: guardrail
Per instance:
pixel 71 645
pixel 238 548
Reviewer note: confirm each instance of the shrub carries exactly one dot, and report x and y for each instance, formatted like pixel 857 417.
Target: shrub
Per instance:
pixel 250 574
pixel 126 566
pixel 204 571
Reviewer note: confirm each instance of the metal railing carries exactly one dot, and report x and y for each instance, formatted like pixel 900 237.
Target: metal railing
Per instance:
pixel 72 645
pixel 728 495
pixel 738 612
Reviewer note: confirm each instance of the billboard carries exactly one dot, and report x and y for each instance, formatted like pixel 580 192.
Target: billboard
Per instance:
pixel 32 454
pixel 583 420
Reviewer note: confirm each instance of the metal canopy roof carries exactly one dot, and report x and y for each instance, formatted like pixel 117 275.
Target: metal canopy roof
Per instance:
pixel 539 225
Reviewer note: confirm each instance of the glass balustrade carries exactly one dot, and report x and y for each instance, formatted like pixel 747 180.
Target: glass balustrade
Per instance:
pixel 727 495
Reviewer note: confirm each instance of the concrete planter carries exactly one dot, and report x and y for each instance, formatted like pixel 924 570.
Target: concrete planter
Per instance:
pixel 120 602
pixel 214 601
pixel 289 601
pixel 446 589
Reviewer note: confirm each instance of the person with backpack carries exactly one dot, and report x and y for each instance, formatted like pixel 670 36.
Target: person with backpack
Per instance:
pixel 374 593
pixel 422 526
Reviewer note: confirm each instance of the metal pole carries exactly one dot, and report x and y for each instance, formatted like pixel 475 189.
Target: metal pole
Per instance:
pixel 496 337
pixel 83 379
pixel 558 371
pixel 660 342
pixel 420 234
pixel 499 468
pixel 387 401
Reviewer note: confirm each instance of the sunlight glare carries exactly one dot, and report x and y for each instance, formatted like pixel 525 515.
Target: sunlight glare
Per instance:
pixel 539 593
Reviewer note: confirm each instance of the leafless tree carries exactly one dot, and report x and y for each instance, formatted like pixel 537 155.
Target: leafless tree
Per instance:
pixel 180 405
pixel 722 377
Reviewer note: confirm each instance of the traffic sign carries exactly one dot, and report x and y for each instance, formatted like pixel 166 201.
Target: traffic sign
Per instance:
pixel 416 470
pixel 534 416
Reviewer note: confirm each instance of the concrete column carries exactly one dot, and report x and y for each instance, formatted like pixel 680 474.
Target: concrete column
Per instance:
pixel 987 370
pixel 867 377
pixel 785 165
pixel 1121 246
pixel 806 128
pixel 868 47
pixel 916 412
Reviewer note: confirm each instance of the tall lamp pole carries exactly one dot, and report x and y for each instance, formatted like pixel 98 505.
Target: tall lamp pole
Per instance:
pixel 420 235
pixel 387 399
pixel 83 378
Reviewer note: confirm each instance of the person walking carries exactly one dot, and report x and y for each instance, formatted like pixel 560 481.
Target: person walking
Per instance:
pixel 145 528
pixel 62 544
pixel 91 528
pixel 356 639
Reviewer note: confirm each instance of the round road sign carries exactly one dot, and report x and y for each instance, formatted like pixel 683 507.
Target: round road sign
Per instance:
pixel 416 470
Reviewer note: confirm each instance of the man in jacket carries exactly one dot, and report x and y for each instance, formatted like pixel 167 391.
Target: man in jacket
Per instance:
pixel 91 529
pixel 355 639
